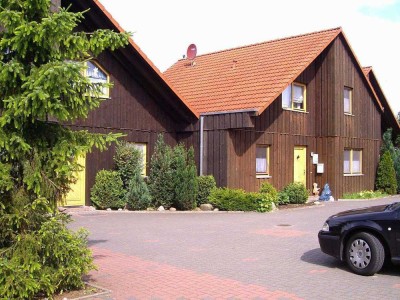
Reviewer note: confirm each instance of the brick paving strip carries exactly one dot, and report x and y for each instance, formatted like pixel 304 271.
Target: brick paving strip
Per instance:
pixel 130 277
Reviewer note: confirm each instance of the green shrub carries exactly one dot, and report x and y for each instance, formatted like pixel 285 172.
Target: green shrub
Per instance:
pixel 172 179
pixel 138 196
pixel 161 181
pixel 41 262
pixel 205 185
pixel 231 200
pixel 296 192
pixel 387 145
pixel 107 191
pixel 267 188
pixel 364 195
pixel 265 201
pixel 184 175
pixel 386 175
pixel 283 198
pixel 128 161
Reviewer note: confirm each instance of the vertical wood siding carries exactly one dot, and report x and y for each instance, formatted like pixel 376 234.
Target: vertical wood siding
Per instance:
pixel 131 110
pixel 324 129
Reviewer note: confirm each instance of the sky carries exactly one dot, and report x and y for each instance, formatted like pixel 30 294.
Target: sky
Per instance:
pixel 164 29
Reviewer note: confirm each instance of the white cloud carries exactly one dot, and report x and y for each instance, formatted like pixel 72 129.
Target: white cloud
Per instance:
pixel 164 29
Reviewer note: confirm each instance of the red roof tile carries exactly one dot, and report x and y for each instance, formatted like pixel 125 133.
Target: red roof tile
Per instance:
pixel 247 78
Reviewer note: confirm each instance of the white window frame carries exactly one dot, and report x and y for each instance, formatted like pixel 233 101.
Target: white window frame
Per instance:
pixel 265 173
pixel 106 90
pixel 352 172
pixel 350 99
pixel 288 97
pixel 142 147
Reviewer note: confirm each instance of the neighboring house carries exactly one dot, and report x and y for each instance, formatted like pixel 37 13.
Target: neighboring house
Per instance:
pixel 272 111
pixel 141 104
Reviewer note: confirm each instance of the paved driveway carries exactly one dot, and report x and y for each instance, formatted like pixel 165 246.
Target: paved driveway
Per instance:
pixel 225 256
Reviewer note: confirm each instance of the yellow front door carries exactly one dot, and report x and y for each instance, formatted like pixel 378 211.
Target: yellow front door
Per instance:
pixel 76 197
pixel 300 165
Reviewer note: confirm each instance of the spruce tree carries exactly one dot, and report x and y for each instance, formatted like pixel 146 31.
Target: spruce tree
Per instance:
pixel 42 88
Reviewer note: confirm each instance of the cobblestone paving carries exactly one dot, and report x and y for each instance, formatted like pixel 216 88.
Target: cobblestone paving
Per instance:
pixel 166 255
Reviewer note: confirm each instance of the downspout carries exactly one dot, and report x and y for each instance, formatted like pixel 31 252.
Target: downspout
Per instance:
pixel 201 144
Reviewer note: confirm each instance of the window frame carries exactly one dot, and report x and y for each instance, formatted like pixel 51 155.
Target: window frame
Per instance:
pixel 267 173
pixel 95 63
pixel 144 155
pixel 350 113
pixel 292 103
pixel 351 161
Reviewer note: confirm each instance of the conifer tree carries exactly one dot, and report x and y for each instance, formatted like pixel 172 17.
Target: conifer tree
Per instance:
pixel 386 175
pixel 43 86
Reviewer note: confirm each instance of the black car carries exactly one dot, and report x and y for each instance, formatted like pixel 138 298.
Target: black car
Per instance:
pixel 363 237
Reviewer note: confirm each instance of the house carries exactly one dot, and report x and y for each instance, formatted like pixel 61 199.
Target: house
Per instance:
pixel 293 109
pixel 141 105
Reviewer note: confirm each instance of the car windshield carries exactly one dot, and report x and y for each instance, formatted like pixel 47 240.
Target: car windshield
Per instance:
pixel 393 206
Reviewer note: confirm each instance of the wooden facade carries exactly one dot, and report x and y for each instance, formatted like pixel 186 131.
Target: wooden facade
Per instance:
pixel 323 129
pixel 141 104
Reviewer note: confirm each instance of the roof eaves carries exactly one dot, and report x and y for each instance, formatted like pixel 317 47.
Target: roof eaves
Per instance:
pixel 144 56
pixel 370 71
pixel 362 71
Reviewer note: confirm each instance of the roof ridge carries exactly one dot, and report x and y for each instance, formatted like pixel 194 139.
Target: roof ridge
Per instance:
pixel 268 41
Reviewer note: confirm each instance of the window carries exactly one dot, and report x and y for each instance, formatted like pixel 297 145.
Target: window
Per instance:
pixel 352 163
pixel 142 147
pixel 98 75
pixel 348 100
pixel 294 97
pixel 262 160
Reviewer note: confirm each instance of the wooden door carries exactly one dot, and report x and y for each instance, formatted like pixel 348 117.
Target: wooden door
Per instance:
pixel 76 197
pixel 300 165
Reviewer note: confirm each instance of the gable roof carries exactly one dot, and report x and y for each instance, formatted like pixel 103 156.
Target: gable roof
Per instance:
pixel 389 118
pixel 249 78
pixel 103 19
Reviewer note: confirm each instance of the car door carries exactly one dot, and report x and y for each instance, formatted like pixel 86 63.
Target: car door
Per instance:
pixel 396 229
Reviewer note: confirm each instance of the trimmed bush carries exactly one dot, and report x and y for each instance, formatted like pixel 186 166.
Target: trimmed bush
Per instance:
pixel 296 192
pixel 265 201
pixel 239 200
pixel 283 198
pixel 230 200
pixel 138 196
pixel 161 181
pixel 107 191
pixel 267 188
pixel 205 185
pixel 386 175
pixel 128 161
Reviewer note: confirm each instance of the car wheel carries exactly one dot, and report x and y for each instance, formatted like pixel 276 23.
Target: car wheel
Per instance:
pixel 365 254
